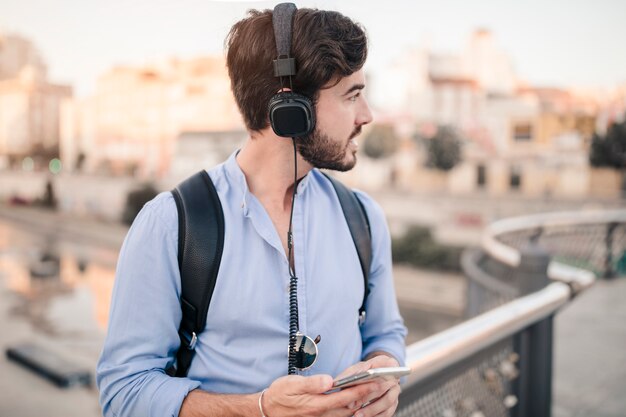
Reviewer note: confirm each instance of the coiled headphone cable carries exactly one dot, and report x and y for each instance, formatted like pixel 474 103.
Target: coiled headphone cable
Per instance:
pixel 293 279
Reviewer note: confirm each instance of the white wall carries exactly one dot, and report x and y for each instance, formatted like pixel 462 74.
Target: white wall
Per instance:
pixel 102 197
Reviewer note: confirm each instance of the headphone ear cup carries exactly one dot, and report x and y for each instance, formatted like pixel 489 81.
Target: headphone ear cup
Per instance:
pixel 291 115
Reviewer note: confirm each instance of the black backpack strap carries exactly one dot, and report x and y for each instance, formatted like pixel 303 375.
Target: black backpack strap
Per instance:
pixel 200 246
pixel 359 226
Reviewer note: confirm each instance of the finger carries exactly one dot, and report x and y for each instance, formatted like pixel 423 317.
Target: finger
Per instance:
pixel 295 384
pixel 382 361
pixel 318 384
pixel 339 412
pixel 355 369
pixel 384 388
pixel 384 385
pixel 385 405
pixel 347 396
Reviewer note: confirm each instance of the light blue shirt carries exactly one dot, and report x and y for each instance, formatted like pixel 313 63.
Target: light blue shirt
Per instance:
pixel 244 345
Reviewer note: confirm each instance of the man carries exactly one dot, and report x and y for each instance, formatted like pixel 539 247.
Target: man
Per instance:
pixel 239 367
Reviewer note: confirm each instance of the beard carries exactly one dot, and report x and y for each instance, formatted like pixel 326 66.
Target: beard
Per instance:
pixel 324 152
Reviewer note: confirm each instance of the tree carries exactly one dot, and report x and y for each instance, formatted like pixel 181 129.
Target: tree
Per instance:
pixel 380 142
pixel 418 248
pixel 135 201
pixel 610 150
pixel 444 149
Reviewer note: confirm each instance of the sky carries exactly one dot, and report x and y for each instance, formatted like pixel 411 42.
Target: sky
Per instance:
pixel 551 43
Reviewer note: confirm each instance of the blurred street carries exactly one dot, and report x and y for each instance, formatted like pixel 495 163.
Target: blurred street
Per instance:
pixel 68 315
pixel 491 134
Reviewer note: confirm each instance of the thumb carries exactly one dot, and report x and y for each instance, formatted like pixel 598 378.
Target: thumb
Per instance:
pixel 316 384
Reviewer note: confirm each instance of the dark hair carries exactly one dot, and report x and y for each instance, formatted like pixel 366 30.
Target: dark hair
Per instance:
pixel 326 46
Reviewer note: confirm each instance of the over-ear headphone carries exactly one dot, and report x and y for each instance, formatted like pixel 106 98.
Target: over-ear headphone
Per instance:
pixel 291 114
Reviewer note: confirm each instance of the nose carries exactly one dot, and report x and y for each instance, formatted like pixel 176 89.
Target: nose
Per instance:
pixel 364 116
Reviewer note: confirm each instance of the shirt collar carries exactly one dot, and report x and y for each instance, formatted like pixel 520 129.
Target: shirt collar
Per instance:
pixel 304 181
pixel 238 179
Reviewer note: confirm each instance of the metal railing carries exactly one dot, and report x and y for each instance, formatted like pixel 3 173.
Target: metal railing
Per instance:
pixel 594 240
pixel 499 361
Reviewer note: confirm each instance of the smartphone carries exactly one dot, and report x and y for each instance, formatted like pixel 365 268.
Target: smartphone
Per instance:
pixel 362 377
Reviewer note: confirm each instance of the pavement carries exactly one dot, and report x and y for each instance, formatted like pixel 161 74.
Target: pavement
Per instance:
pixel 589 353
pixel 24 393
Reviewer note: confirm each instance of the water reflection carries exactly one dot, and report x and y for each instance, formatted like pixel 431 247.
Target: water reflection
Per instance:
pixel 64 288
pixel 47 263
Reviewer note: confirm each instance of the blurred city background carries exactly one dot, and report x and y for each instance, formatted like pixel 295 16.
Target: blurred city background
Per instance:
pixel 482 112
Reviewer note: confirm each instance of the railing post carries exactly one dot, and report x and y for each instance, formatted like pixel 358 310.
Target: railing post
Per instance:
pixel 533 387
pixel 475 292
pixel 609 272
pixel 532 273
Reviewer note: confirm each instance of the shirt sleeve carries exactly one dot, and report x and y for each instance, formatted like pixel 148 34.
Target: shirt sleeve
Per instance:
pixel 142 337
pixel 384 328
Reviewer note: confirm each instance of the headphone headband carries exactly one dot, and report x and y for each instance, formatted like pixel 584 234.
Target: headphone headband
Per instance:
pixel 282 18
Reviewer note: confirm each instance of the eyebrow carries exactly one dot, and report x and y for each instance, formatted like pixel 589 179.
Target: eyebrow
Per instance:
pixel 354 88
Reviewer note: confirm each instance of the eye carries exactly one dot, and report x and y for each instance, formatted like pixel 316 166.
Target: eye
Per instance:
pixel 354 97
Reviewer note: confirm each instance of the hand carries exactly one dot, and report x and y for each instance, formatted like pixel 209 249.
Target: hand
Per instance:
pixel 381 402
pixel 295 395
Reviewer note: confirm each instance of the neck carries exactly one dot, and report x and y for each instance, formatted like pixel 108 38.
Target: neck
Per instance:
pixel 267 162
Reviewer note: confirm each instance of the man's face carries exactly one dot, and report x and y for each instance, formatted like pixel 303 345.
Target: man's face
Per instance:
pixel 341 111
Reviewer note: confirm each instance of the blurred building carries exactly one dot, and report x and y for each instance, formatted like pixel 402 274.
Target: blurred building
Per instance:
pixel 517 138
pixel 491 67
pixel 198 150
pixel 29 104
pixel 540 145
pixel 17 53
pixel 131 123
